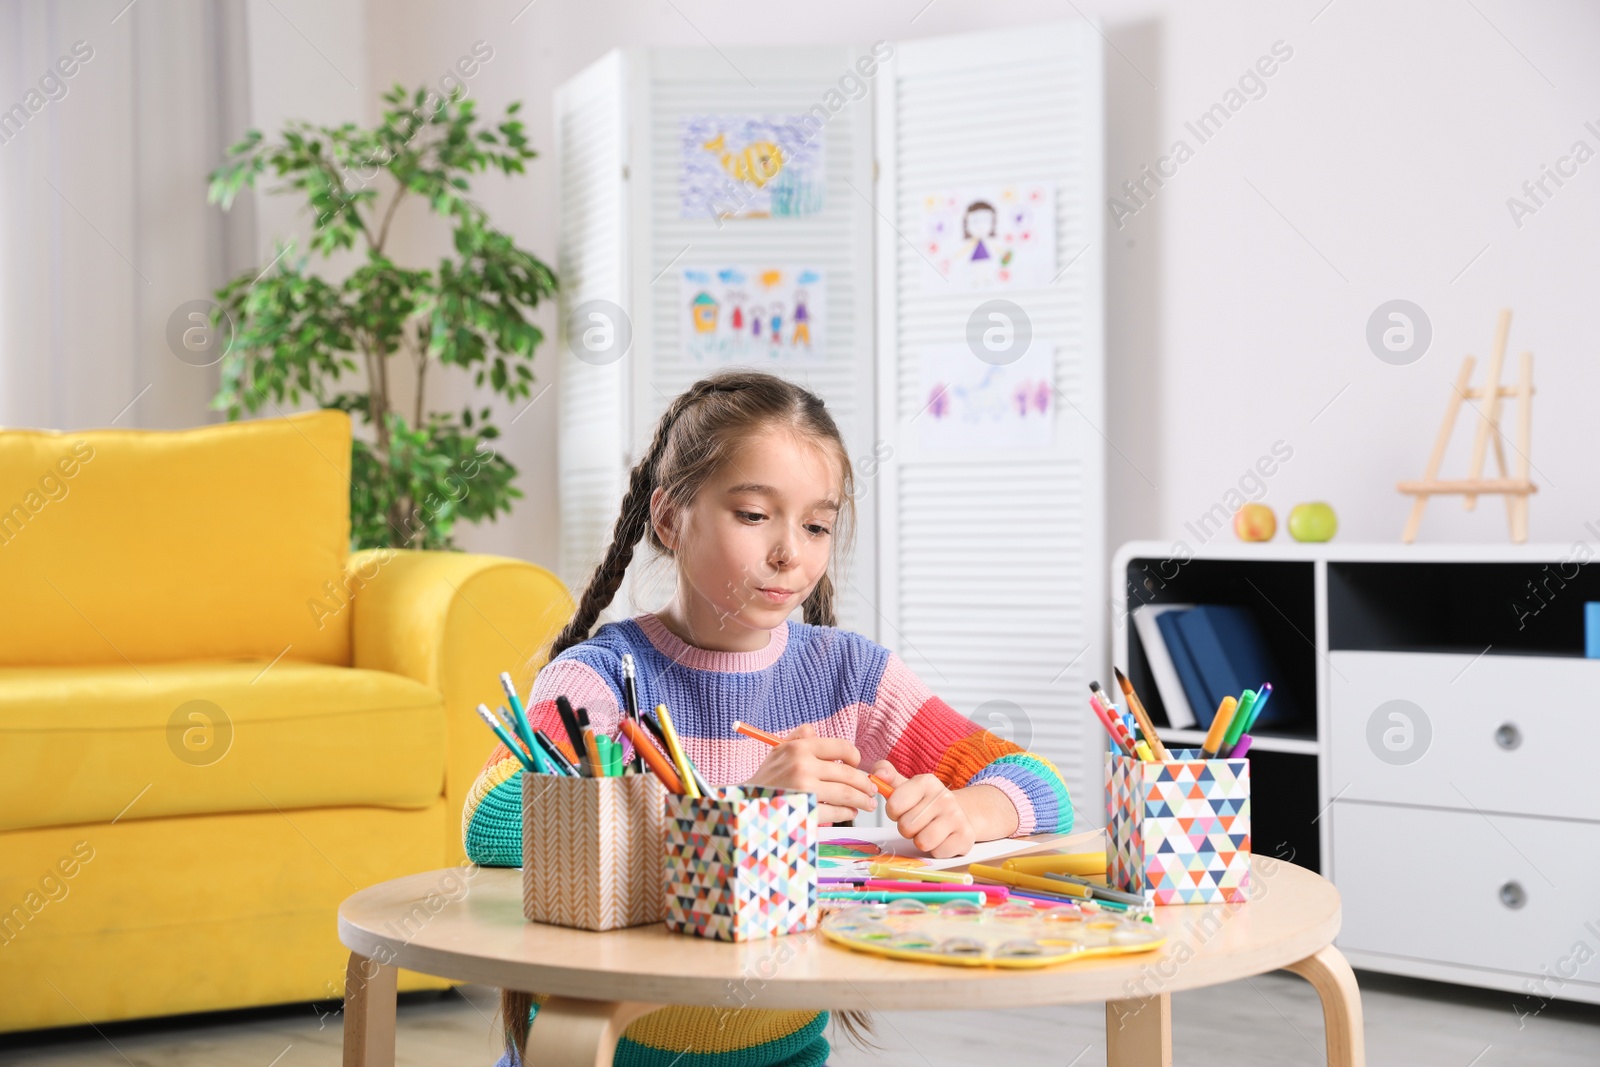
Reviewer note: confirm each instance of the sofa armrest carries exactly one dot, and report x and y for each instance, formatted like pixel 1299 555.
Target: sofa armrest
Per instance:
pixel 453 622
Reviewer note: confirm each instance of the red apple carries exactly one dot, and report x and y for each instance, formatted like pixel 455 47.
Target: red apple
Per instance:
pixel 1255 522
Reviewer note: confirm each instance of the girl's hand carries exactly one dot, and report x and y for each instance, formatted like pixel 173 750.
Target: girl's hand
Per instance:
pixel 807 762
pixel 925 810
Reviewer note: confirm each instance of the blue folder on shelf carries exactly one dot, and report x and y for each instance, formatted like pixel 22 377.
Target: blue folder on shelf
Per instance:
pixel 1228 654
pixel 1183 663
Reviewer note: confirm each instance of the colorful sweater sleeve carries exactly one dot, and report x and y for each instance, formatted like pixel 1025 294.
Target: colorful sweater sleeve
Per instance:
pixel 491 819
pixel 913 729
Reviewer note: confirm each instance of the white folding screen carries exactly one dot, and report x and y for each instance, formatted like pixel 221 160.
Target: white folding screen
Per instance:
pixel 661 88
pixel 992 570
pixel 983 568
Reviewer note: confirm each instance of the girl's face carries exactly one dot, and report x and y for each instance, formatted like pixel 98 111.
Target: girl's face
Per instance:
pixel 754 542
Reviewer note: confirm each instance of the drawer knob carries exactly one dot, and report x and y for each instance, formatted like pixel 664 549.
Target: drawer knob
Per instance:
pixel 1513 896
pixel 1508 736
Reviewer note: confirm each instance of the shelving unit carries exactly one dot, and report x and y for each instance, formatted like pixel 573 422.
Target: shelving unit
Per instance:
pixel 1464 834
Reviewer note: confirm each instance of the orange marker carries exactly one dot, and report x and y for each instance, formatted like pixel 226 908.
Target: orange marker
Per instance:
pixel 1219 728
pixel 884 788
pixel 658 763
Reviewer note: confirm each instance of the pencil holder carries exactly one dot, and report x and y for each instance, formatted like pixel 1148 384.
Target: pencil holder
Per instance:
pixel 1178 831
pixel 591 850
pixel 741 863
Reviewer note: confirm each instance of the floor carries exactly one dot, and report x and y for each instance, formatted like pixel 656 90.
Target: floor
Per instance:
pixel 1271 1020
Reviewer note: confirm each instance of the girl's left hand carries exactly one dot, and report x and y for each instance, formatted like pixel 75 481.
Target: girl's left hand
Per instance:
pixel 926 811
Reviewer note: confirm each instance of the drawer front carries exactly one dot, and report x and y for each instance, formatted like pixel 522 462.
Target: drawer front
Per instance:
pixel 1491 733
pixel 1428 885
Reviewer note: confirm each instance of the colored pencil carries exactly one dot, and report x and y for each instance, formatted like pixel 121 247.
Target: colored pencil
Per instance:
pixel 1119 733
pixel 984 872
pixel 657 763
pixel 505 738
pixel 883 787
pixel 1096 890
pixel 1136 706
pixel 520 720
pixel 675 749
pixel 557 757
pixel 654 727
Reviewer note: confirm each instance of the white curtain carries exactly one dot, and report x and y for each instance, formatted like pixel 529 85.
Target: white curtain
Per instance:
pixel 111 115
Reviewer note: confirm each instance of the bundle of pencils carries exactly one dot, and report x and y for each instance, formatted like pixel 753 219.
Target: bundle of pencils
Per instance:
pixel 1134 734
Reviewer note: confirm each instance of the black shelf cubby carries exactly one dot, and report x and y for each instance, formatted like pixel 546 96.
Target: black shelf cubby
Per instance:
pixel 1280 593
pixel 1530 609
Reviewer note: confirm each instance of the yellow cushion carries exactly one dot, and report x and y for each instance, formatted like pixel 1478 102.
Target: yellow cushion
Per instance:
pixel 90 744
pixel 162 916
pixel 134 546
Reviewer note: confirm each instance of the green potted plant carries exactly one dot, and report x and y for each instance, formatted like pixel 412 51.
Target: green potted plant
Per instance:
pixel 298 333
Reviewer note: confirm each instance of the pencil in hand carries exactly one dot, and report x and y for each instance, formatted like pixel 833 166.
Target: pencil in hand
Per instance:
pixel 884 788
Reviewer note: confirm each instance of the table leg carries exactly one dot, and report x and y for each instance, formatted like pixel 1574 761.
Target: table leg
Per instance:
pixel 1330 975
pixel 1139 1032
pixel 369 1002
pixel 580 1033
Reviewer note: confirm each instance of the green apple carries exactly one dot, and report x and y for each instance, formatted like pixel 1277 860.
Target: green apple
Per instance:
pixel 1254 522
pixel 1313 522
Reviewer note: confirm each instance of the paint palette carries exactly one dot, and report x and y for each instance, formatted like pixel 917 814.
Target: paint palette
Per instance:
pixel 1012 934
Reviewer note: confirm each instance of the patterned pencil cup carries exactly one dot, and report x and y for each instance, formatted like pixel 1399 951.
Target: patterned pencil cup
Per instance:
pixel 1179 831
pixel 741 864
pixel 591 850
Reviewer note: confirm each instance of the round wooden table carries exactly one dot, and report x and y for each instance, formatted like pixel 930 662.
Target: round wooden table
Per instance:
pixel 466 924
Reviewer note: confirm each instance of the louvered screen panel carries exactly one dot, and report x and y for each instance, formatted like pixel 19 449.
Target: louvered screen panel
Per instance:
pixel 591 399
pixel 992 565
pixel 837 240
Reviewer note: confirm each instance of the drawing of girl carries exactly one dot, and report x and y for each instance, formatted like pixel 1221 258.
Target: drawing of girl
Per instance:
pixel 802 320
pixel 978 227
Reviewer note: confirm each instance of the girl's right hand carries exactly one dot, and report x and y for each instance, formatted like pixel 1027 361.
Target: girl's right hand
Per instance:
pixel 812 764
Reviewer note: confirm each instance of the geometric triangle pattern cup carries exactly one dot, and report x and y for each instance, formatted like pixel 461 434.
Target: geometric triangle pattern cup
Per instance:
pixel 1178 831
pixel 741 863
pixel 591 850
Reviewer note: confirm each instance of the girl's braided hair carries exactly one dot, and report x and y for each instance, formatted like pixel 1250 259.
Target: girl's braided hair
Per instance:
pixel 699 432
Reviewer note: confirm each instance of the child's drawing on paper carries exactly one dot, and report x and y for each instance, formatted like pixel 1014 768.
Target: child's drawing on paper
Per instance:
pixel 969 403
pixel 996 238
pixel 749 166
pixel 743 314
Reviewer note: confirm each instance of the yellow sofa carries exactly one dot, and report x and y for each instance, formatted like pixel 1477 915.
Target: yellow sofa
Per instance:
pixel 215 722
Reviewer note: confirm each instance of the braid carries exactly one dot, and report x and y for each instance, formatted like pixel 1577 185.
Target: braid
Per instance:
pixel 631 525
pixel 819 605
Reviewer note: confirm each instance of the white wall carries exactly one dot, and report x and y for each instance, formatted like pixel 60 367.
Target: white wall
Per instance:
pixel 1376 166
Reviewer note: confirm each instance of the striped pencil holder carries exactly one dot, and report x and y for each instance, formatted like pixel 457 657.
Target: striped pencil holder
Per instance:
pixel 1178 831
pixel 591 850
pixel 741 864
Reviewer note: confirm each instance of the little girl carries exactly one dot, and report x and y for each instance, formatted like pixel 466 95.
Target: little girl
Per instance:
pixel 746 487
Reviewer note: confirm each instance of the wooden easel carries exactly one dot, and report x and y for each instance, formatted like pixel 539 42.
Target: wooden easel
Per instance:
pixel 1516 489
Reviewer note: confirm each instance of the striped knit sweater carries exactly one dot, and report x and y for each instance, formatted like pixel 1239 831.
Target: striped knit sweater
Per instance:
pixel 843 685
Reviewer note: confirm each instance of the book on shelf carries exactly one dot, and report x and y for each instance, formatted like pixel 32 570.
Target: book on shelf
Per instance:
pixel 1162 668
pixel 1209 651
